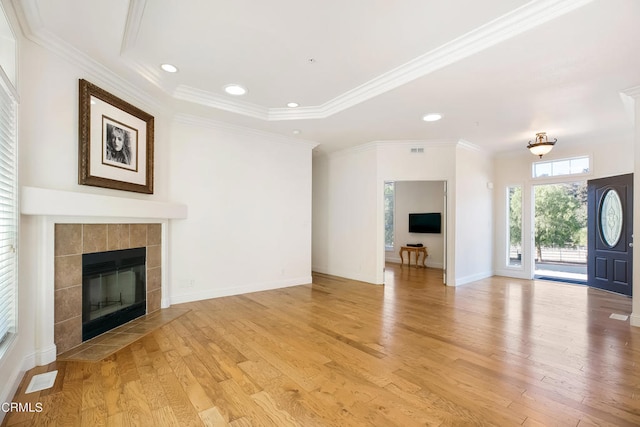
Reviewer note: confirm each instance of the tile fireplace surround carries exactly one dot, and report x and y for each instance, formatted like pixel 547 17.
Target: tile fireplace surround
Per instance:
pixel 73 240
pixel 120 221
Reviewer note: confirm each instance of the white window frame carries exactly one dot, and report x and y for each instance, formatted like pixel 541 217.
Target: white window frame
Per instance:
pixel 562 176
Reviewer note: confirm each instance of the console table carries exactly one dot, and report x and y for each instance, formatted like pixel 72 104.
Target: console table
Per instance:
pixel 417 250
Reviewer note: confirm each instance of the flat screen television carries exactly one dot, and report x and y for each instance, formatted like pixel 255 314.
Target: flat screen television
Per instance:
pixel 425 222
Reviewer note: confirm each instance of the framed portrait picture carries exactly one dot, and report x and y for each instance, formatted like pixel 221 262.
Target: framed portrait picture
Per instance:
pixel 116 142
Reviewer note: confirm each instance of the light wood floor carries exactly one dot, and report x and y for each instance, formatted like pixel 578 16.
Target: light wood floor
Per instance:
pixel 116 339
pixel 342 353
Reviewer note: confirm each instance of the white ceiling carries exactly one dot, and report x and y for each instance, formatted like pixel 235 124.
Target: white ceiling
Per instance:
pixel 368 70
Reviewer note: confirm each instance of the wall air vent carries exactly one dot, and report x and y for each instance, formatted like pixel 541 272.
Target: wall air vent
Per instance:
pixel 417 150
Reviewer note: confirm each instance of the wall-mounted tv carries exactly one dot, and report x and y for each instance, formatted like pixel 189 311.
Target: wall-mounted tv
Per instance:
pixel 425 222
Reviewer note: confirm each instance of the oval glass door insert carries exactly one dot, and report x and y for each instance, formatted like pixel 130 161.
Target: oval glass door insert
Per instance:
pixel 611 218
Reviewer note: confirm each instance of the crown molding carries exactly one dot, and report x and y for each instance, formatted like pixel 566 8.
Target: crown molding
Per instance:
pixel 362 148
pixel 151 74
pixel 133 24
pixel 209 99
pixel 130 38
pixel 192 120
pixel 33 29
pixel 633 92
pixel 511 24
pixel 206 98
pixel 403 144
pixel 500 29
pixel 462 143
pixel 411 143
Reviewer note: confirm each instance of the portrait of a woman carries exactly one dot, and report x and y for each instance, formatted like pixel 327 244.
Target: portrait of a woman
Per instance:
pixel 118 145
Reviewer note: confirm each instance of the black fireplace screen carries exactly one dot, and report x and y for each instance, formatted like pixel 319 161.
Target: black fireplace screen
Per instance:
pixel 113 289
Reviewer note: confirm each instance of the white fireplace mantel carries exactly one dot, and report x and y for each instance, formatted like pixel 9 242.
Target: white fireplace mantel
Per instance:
pixel 48 202
pixel 50 207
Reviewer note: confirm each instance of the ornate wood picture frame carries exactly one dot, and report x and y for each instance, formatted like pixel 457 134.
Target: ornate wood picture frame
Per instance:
pixel 115 142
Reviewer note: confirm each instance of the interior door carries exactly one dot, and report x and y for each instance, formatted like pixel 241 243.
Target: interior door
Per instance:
pixel 610 233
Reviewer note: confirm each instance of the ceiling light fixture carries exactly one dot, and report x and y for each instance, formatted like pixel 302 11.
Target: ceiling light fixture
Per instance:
pixel 293 104
pixel 432 117
pixel 542 145
pixel 296 131
pixel 169 68
pixel 235 89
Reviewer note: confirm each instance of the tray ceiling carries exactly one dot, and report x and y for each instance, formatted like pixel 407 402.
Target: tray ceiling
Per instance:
pixel 499 70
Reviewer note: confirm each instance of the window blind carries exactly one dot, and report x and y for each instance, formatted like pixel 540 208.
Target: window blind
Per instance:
pixel 8 210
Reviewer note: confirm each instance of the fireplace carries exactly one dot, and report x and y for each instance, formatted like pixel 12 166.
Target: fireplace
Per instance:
pixel 72 242
pixel 66 224
pixel 113 289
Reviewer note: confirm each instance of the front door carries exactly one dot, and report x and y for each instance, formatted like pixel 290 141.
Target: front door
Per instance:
pixel 610 233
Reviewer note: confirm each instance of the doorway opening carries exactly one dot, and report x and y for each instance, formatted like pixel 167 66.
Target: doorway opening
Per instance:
pixel 414 247
pixel 560 232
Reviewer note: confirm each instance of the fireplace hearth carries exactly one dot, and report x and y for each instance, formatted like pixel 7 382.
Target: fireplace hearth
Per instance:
pixel 113 289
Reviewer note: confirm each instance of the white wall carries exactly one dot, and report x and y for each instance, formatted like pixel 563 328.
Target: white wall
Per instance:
pixel 249 223
pixel 473 215
pixel 348 193
pixel 345 212
pixel 49 125
pixel 416 197
pixel 610 159
pixel 437 162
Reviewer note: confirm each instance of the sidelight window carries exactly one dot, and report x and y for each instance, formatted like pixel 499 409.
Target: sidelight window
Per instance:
pixel 389 221
pixel 514 226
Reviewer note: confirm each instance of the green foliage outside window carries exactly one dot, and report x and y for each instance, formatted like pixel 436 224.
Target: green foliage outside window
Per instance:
pixel 561 216
pixel 515 216
pixel 389 207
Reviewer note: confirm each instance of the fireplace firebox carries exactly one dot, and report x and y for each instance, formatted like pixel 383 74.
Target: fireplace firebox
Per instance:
pixel 113 289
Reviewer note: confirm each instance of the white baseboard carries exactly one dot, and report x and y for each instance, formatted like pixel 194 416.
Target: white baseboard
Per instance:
pixel 45 356
pixel 634 320
pixel 472 278
pixel 346 275
pixel 516 274
pixel 238 290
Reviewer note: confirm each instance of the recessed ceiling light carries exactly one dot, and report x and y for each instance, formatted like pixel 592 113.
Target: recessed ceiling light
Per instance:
pixel 432 117
pixel 235 89
pixel 293 104
pixel 169 68
pixel 297 131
